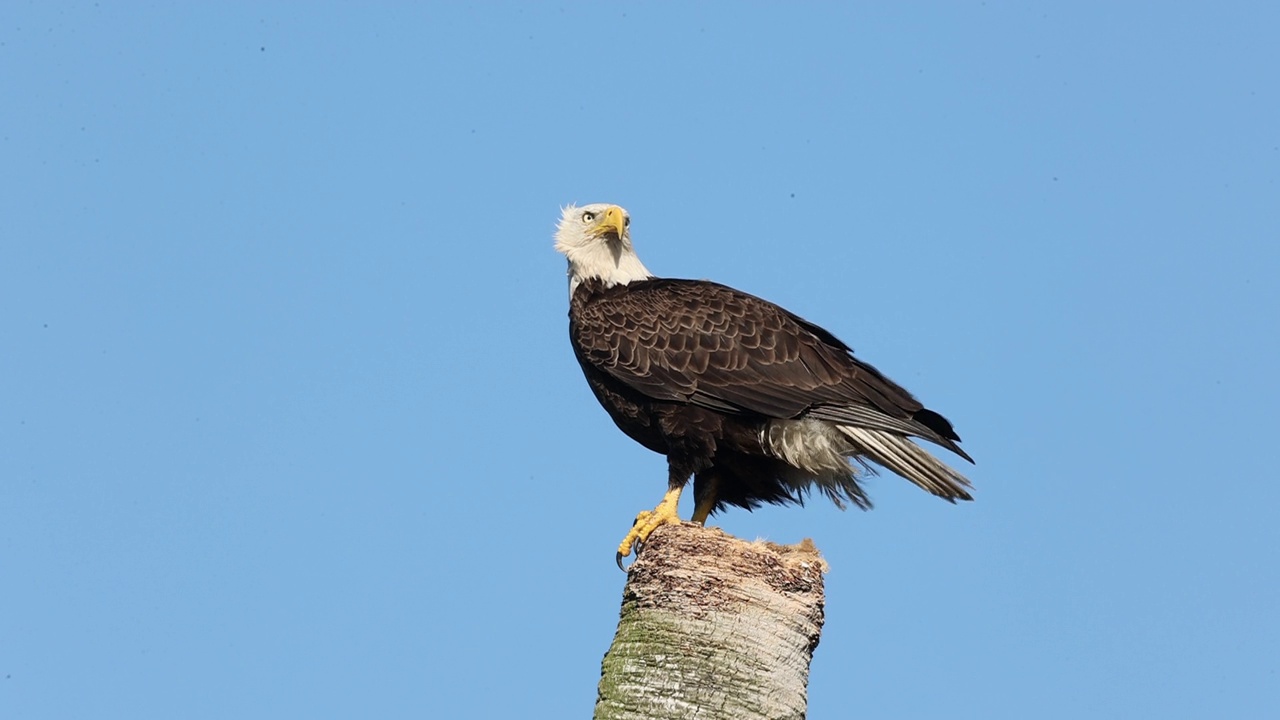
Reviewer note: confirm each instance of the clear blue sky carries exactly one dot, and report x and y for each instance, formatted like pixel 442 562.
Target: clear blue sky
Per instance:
pixel 290 426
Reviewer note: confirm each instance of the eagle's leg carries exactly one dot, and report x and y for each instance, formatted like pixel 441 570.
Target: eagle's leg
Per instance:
pixel 706 487
pixel 649 520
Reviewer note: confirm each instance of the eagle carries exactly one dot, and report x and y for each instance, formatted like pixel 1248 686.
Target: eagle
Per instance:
pixel 755 403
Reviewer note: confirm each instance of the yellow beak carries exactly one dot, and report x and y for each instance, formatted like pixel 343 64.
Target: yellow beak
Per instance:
pixel 613 220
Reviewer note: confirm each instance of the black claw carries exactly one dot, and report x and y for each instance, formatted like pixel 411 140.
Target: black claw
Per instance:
pixel 620 567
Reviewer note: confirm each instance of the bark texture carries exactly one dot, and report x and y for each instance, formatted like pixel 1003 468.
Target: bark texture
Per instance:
pixel 714 627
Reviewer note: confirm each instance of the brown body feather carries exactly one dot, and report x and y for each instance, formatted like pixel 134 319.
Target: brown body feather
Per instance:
pixel 698 372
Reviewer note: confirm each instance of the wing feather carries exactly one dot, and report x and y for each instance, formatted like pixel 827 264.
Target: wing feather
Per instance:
pixel 710 345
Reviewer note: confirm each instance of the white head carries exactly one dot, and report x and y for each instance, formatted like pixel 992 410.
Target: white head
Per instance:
pixel 597 241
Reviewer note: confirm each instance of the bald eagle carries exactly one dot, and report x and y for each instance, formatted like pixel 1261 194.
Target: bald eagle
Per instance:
pixel 755 403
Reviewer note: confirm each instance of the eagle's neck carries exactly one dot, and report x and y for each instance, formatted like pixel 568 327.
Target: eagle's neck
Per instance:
pixel 609 264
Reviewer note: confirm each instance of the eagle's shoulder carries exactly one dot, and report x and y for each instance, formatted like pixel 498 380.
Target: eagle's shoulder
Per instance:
pixel 678 304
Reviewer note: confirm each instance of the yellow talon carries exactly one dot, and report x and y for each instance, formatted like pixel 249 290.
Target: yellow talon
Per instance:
pixel 649 520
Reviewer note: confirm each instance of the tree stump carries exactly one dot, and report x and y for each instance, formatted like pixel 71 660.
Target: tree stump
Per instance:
pixel 714 627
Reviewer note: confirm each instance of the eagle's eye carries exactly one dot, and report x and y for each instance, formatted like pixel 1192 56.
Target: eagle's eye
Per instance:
pixel 588 217
pixel 626 221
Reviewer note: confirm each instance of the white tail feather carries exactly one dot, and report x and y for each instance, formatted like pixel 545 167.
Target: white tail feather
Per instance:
pixel 900 455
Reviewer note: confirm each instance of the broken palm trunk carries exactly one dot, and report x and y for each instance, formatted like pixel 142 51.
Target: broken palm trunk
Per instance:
pixel 714 627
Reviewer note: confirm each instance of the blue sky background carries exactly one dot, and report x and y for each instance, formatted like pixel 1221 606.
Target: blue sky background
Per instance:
pixel 290 426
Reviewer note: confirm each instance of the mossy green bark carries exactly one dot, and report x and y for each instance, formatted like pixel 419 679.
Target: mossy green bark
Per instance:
pixel 714 627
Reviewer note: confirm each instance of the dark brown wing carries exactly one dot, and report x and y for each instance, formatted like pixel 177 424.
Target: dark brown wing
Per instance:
pixel 710 345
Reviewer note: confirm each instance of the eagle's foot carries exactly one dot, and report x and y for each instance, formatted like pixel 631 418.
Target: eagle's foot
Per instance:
pixel 648 521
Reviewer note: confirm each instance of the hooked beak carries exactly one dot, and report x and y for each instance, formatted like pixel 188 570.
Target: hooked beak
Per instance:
pixel 614 220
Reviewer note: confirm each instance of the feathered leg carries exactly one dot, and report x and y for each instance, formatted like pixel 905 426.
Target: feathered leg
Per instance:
pixel 706 491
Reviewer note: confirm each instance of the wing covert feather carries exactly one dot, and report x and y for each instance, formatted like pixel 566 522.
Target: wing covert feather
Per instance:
pixel 710 345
